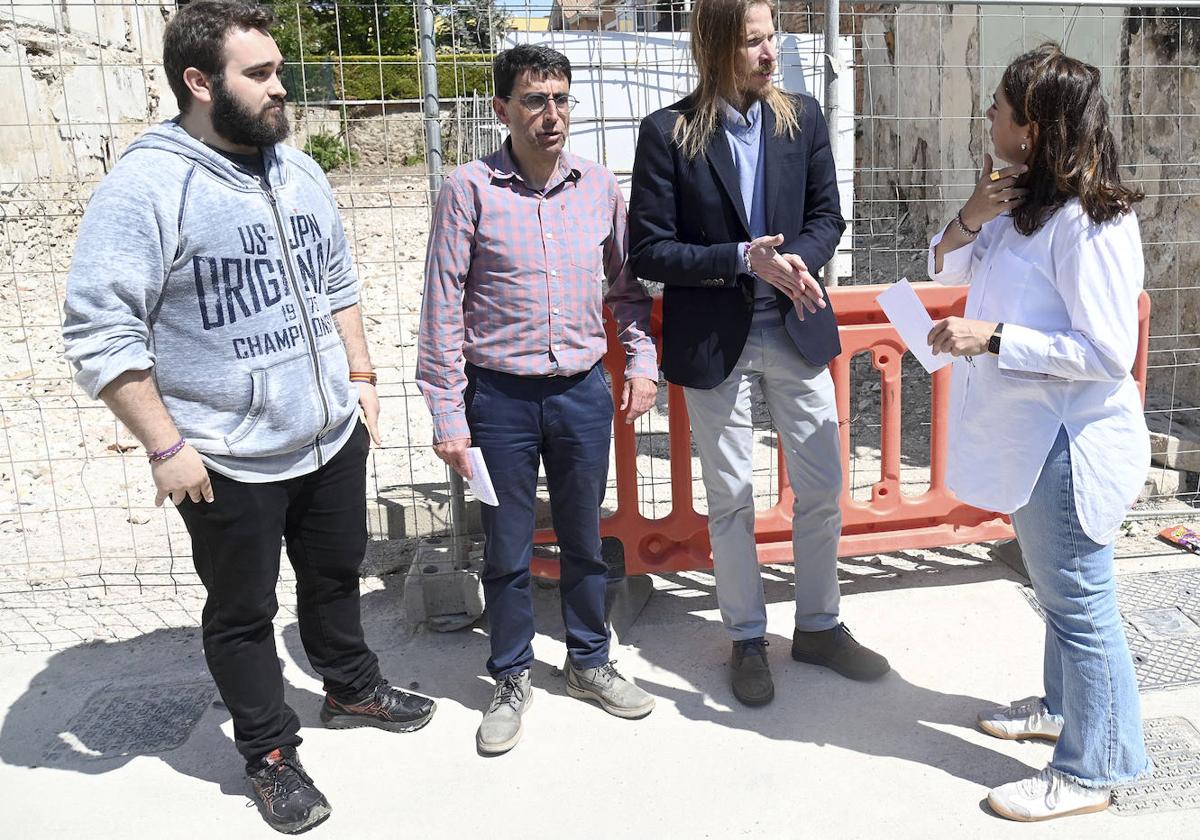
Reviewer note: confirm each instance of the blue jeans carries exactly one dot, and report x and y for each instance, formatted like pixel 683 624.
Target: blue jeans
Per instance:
pixel 566 423
pixel 1088 671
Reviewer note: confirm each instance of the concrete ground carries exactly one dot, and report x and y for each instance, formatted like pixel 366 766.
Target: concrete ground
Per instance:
pixel 828 759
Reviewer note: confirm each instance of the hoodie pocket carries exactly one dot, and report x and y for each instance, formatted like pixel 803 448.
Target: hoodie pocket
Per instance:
pixel 285 411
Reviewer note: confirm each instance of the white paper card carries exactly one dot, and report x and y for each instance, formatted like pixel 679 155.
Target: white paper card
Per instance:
pixel 910 318
pixel 481 484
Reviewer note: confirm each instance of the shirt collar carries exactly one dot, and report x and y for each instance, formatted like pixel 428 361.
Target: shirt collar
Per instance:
pixel 504 167
pixel 734 120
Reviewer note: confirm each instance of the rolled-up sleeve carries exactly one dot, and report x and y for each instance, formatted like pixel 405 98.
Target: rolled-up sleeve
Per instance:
pixel 116 278
pixel 959 265
pixel 1099 280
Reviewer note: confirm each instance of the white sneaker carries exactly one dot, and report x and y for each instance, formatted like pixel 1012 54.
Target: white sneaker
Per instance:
pixel 1026 718
pixel 1046 796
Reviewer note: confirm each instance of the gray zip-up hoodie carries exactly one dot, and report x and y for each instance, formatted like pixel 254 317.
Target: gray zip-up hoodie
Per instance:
pixel 186 266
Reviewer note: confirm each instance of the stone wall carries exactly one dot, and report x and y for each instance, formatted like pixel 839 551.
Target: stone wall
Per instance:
pixel 77 84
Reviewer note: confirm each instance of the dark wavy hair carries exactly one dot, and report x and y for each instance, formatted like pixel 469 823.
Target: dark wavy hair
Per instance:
pixel 1074 154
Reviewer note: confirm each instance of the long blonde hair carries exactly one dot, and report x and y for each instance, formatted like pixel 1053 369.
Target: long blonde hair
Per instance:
pixel 718 35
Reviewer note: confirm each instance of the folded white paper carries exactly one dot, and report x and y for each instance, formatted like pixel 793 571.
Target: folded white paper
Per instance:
pixel 481 483
pixel 910 318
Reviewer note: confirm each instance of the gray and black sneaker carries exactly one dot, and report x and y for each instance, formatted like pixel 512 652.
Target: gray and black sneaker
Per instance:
pixel 500 729
pixel 285 795
pixel 615 694
pixel 384 706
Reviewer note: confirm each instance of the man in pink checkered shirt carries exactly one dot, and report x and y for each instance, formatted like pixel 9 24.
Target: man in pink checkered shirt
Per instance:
pixel 523 245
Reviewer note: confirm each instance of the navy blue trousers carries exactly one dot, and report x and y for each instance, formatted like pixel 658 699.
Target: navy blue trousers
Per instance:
pixel 565 423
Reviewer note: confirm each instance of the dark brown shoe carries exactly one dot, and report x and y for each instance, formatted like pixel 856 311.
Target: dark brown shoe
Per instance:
pixel 751 676
pixel 836 649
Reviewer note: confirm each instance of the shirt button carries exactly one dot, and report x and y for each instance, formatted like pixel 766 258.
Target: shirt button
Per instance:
pixel 554 311
pixel 553 272
pixel 549 235
pixel 554 347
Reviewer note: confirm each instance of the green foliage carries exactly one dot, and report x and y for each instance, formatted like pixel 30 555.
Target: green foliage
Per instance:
pixel 476 25
pixel 311 28
pixel 297 31
pixel 392 77
pixel 329 151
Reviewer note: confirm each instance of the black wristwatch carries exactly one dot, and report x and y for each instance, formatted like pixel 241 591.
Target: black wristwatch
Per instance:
pixel 994 341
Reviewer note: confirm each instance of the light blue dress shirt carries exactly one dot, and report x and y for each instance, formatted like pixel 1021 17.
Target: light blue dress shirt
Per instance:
pixel 745 137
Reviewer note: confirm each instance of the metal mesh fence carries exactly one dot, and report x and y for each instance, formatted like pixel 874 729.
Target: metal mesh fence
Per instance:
pixel 79 534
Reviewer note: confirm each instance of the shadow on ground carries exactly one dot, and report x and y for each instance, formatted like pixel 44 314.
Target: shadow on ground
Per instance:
pixel 81 712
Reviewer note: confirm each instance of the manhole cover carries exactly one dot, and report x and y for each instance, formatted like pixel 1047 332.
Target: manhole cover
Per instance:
pixel 1161 611
pixel 131 721
pixel 1174 747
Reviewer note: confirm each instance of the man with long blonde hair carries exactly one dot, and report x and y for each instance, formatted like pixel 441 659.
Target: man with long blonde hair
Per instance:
pixel 734 209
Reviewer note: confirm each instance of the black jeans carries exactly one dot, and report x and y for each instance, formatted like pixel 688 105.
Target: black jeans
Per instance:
pixel 235 545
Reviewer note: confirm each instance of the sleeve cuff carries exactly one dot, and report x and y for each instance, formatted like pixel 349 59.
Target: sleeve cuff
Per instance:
pixel 344 296
pixel 734 260
pixel 451 426
pixel 1023 352
pixel 642 367
pixel 955 264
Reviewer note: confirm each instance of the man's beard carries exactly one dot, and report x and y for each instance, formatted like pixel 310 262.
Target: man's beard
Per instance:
pixel 237 124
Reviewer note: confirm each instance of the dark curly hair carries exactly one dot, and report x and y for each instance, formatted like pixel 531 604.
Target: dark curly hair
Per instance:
pixel 1074 154
pixel 195 37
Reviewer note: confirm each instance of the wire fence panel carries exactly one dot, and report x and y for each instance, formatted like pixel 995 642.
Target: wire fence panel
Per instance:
pixel 79 532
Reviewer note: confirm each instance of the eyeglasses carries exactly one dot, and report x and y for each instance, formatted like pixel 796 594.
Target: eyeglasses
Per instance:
pixel 535 103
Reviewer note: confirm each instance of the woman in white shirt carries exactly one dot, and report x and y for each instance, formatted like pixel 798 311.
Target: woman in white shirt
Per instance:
pixel 1046 420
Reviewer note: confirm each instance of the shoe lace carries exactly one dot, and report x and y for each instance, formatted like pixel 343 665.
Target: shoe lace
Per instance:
pixel 609 671
pixel 287 777
pixel 388 696
pixel 1046 784
pixel 753 647
pixel 1030 707
pixel 509 692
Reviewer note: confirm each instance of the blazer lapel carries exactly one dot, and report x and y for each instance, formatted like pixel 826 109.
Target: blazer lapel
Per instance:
pixel 773 149
pixel 721 160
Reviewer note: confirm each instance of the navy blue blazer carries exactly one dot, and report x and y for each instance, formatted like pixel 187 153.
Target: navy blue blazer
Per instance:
pixel 687 220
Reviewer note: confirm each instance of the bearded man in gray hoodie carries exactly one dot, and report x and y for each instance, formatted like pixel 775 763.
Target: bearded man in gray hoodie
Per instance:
pixel 212 304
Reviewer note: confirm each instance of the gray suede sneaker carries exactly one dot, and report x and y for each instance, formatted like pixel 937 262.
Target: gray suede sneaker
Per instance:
pixel 615 694
pixel 500 729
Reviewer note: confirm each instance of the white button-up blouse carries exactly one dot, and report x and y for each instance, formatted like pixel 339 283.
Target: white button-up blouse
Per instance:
pixel 1068 298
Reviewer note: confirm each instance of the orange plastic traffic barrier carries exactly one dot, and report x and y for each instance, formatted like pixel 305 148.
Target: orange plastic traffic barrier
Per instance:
pixel 888 521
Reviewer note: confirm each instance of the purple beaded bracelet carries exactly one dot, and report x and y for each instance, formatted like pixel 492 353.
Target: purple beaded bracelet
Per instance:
pixel 164 454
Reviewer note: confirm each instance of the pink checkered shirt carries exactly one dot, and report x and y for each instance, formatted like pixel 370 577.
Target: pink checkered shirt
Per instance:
pixel 515 281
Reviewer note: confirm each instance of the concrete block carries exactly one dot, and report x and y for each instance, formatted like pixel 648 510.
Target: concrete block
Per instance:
pixel 1174 438
pixel 1178 450
pixel 1162 482
pixel 444 587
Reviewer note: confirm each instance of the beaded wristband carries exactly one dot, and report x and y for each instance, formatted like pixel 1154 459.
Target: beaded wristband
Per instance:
pixel 963 226
pixel 746 260
pixel 164 454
